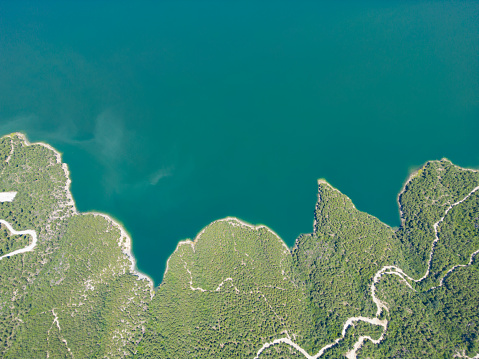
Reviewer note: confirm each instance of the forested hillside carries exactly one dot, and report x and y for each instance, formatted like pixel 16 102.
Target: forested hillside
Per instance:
pixel 354 287
pixel 74 295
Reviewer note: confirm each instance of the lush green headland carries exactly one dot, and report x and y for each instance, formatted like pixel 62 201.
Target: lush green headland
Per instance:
pixel 354 287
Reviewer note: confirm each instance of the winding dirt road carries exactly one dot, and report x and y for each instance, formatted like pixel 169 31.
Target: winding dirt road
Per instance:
pixel 28 248
pixel 393 270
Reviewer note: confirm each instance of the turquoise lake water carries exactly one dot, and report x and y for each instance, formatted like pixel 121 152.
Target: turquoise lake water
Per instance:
pixel 172 114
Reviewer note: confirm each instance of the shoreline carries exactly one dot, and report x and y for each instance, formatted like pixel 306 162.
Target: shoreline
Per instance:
pixel 403 188
pixel 413 175
pixel 126 247
pixel 389 269
pixel 226 219
pixel 125 243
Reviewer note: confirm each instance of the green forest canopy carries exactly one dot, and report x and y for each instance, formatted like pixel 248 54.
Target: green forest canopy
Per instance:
pixel 237 291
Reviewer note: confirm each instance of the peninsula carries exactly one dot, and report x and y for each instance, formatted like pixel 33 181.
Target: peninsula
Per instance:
pixel 353 288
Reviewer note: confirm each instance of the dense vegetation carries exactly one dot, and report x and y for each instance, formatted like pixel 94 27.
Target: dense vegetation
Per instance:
pixel 337 262
pixel 74 295
pixel 10 242
pixel 224 295
pixel 236 287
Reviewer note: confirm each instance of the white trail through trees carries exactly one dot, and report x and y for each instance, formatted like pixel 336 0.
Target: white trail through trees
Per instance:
pixel 28 248
pixel 393 270
pixel 379 304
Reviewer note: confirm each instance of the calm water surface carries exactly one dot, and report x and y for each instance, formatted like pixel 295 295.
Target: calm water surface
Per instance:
pixel 172 114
